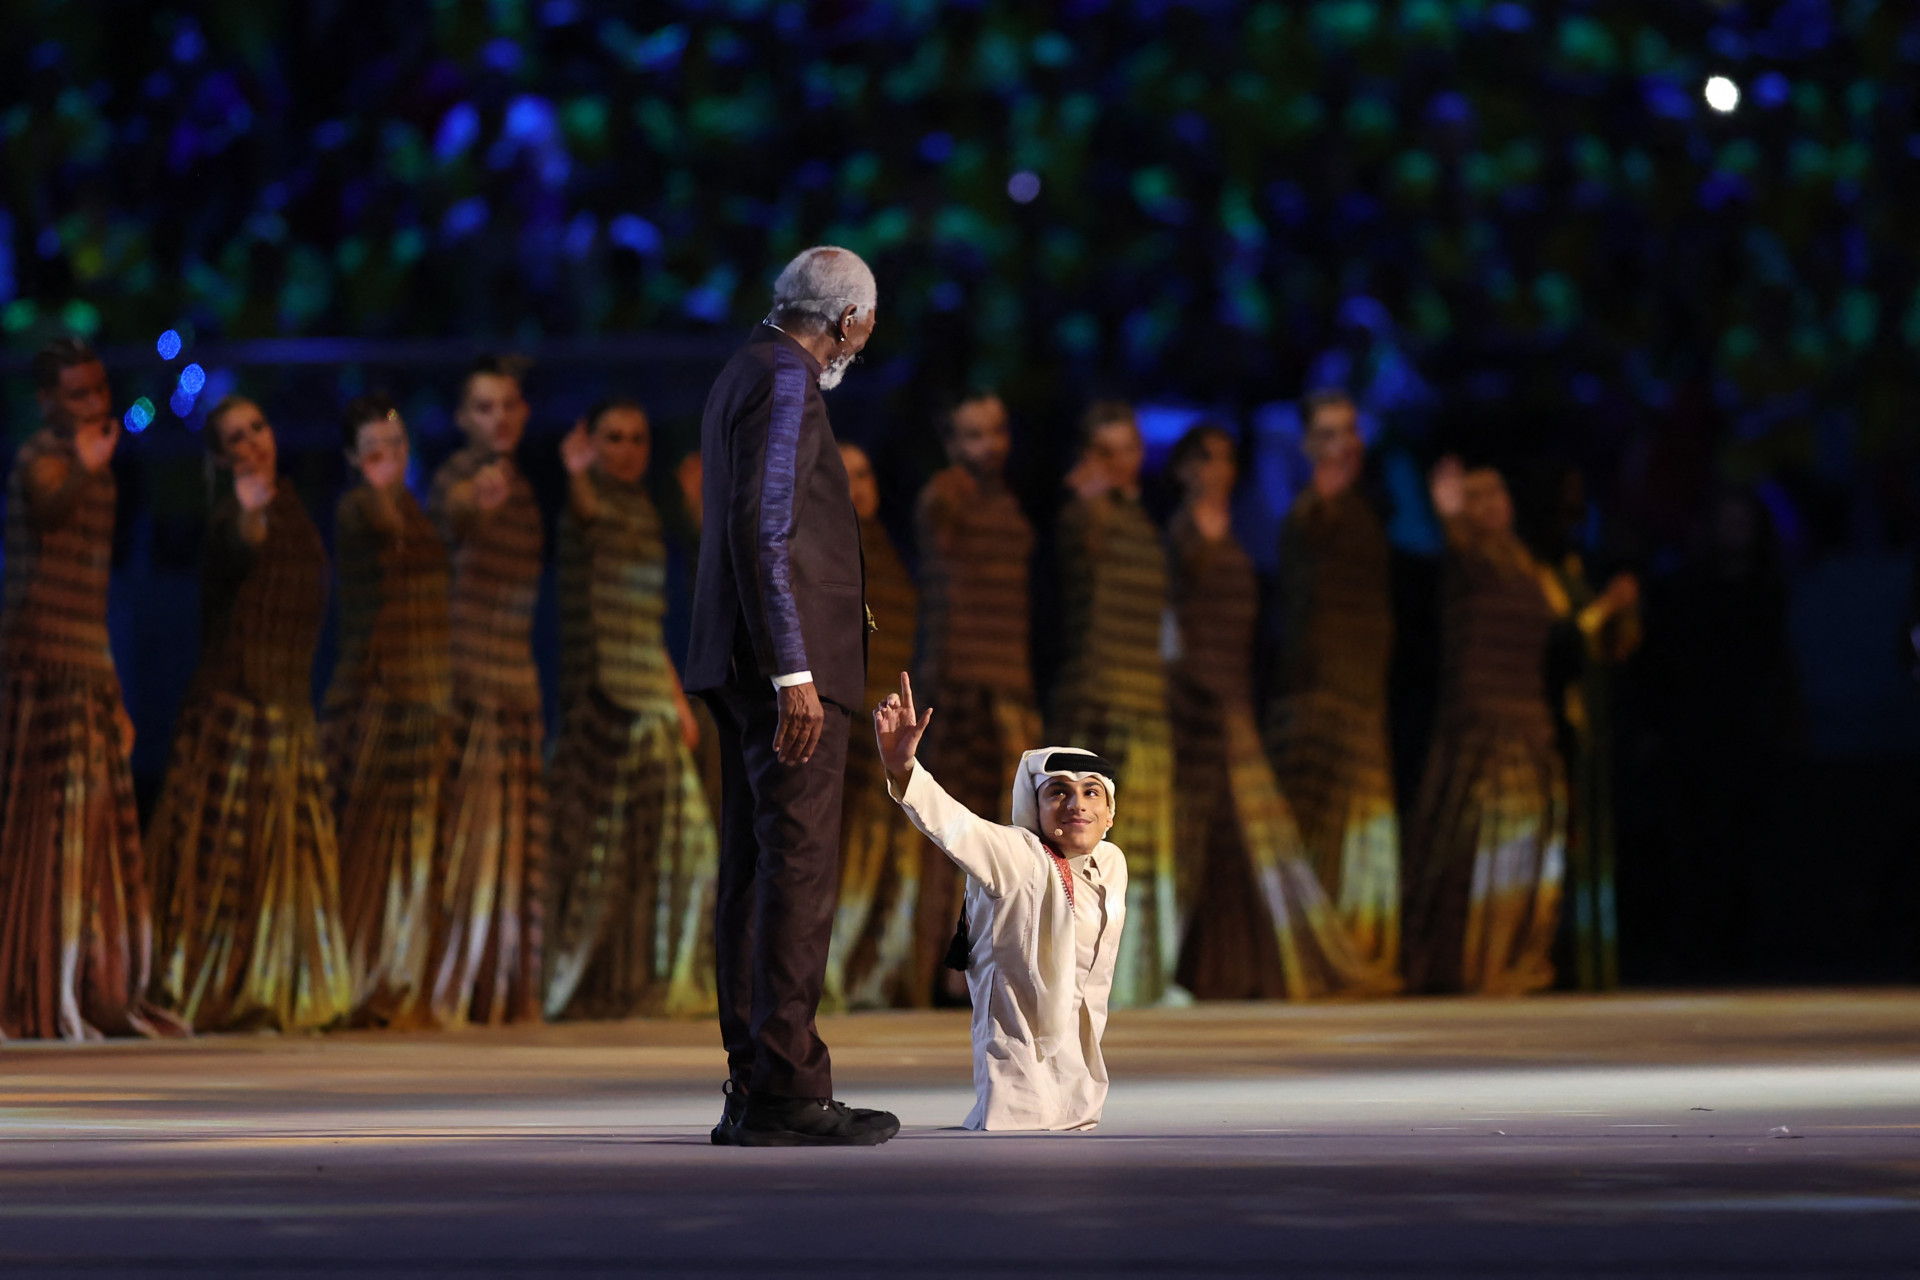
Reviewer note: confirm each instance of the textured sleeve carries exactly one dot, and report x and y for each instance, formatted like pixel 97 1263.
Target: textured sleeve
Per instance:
pixel 765 508
pixel 1000 858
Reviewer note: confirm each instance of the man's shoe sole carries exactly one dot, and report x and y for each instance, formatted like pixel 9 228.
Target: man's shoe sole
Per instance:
pixel 745 1137
pixel 725 1135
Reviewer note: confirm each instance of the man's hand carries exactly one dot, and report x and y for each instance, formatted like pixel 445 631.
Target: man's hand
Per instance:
pixel 801 720
pixel 94 443
pixel 897 731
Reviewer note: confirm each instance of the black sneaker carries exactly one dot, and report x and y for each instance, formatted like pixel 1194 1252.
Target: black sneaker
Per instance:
pixel 732 1112
pixel 812 1122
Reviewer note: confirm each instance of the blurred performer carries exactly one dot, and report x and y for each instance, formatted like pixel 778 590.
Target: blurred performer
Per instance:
pixel 976 553
pixel 384 728
pixel 1490 834
pixel 1329 730
pixel 871 961
pixel 1259 926
pixel 634 849
pixel 779 649
pixel 493 823
pixel 76 923
pixel 1603 627
pixel 1111 697
pixel 242 835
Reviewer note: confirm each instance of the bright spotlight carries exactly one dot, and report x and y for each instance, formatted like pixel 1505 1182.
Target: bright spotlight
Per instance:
pixel 1723 95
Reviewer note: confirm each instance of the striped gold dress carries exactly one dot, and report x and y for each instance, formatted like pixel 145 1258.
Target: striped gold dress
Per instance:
pixel 871 958
pixel 1111 698
pixel 634 847
pixel 76 925
pixel 1258 924
pixel 242 837
pixel 976 560
pixel 384 733
pixel 491 853
pixel 1490 834
pixel 1328 734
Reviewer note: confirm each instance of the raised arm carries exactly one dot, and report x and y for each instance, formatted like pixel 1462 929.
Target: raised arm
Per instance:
pixel 1447 486
pixel 998 857
pixel 54 483
pixel 578 454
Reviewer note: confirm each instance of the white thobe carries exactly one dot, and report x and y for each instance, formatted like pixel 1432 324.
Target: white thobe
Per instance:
pixel 1041 966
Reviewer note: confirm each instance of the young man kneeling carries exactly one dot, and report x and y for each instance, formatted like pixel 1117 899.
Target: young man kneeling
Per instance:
pixel 1046 900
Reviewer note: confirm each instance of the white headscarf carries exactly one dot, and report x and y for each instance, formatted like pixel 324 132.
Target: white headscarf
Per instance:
pixel 1034 772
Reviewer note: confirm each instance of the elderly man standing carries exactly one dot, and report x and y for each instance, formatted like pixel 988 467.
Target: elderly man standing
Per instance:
pixel 778 649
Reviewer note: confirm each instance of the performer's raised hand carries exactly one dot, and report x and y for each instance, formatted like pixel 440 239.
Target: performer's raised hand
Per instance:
pixel 1622 594
pixel 577 450
pixel 253 490
pixel 1447 483
pixel 94 442
pixel 898 730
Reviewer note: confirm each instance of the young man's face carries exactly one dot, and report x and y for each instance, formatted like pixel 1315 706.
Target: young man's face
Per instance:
pixel 624 442
pixel 981 438
pixel 1080 811
pixel 492 412
pixel 1212 470
pixel 1487 504
pixel 1333 437
pixel 1116 448
pixel 81 398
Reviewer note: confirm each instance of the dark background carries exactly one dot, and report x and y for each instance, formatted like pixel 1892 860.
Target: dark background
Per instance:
pixel 1511 230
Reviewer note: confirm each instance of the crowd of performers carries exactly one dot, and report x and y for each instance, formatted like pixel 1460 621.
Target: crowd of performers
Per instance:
pixel 413 854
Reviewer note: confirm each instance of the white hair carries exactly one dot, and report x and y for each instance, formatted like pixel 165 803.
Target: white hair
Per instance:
pixel 820 284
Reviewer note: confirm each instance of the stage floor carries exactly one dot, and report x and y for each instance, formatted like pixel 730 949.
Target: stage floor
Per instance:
pixel 1726 1134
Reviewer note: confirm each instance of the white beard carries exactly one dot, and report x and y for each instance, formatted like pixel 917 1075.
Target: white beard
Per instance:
pixel 835 370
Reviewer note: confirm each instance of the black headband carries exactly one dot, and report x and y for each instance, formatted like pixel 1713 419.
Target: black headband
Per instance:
pixel 1074 762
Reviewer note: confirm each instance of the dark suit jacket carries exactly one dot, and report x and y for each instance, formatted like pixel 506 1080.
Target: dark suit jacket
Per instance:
pixel 781 585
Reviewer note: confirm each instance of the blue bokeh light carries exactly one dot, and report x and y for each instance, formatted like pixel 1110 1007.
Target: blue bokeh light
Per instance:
pixel 181 402
pixel 193 379
pixel 630 231
pixel 1772 90
pixel 1024 186
pixel 169 344
pixel 139 415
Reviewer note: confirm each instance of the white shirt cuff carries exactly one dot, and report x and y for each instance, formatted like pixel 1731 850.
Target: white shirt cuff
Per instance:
pixel 793 678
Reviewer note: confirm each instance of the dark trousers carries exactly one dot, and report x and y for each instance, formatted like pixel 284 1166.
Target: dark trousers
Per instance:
pixel 778 883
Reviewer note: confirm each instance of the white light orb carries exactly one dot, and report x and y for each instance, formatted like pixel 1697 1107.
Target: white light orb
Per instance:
pixel 1722 94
